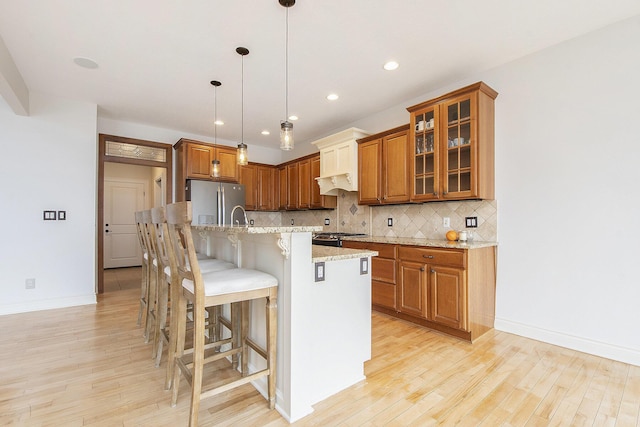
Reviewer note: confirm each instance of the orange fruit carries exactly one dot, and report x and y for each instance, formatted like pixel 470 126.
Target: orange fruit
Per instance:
pixel 452 235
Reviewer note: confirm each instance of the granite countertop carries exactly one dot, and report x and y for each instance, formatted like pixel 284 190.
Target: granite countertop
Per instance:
pixel 257 229
pixel 330 253
pixel 423 242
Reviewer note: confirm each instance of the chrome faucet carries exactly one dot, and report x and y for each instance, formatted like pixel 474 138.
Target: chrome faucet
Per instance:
pixel 233 211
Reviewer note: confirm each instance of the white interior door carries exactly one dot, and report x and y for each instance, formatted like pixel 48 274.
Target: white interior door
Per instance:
pixel 121 200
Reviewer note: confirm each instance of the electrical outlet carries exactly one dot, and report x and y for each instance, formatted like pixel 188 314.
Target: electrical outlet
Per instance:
pixel 62 215
pixel 364 266
pixel 291 221
pixel 319 271
pixel 327 221
pixel 390 222
pixel 471 221
pixel 30 284
pixel 251 222
pixel 446 221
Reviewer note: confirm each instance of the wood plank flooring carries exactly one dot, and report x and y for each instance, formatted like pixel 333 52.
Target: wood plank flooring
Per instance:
pixel 89 366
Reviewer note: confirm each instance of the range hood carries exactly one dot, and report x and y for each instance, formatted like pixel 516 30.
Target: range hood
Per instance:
pixel 339 161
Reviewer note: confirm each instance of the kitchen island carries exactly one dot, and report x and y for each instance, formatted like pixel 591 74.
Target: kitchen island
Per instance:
pixel 324 326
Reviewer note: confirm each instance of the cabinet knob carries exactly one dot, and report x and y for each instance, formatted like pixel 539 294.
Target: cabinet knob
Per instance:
pixel 435 193
pixel 427 256
pixel 445 193
pixel 421 268
pixel 432 270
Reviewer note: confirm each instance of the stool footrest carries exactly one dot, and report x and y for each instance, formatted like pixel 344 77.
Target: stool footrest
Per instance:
pixel 233 384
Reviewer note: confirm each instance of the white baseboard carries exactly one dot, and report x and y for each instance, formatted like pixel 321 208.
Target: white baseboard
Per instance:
pixel 609 351
pixel 47 304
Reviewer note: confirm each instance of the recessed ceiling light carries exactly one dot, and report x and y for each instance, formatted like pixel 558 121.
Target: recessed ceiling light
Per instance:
pixel 265 132
pixel 85 62
pixel 332 97
pixel 293 118
pixel 391 65
pixel 218 123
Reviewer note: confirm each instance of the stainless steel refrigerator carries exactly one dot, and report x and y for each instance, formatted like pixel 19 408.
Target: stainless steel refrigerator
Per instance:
pixel 213 202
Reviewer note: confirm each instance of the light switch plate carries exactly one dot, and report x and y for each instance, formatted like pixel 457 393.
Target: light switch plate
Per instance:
pixel 49 215
pixel 62 215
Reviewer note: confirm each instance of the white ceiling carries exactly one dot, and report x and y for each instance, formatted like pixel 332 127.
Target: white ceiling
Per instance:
pixel 156 57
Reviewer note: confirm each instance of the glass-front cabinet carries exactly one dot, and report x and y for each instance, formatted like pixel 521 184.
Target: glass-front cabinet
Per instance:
pixel 453 148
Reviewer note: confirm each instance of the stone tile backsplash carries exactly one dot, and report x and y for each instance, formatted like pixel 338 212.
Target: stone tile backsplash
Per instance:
pixel 424 220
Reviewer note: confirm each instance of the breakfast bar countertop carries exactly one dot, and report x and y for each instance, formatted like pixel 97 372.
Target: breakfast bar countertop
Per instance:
pixel 331 253
pixel 258 229
pixel 422 242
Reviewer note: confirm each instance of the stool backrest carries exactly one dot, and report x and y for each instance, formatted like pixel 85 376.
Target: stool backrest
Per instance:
pixel 142 232
pixel 151 235
pixel 159 222
pixel 181 242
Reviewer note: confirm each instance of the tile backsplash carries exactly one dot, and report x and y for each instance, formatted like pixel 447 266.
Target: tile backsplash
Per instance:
pixel 424 220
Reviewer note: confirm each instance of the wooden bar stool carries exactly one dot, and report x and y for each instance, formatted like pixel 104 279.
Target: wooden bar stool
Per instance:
pixel 235 286
pixel 144 285
pixel 167 280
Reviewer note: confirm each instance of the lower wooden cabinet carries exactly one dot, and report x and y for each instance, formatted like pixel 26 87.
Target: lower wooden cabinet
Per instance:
pixel 450 290
pixel 383 272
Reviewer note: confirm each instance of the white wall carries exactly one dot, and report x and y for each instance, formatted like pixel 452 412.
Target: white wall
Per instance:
pixel 567 172
pixel 48 162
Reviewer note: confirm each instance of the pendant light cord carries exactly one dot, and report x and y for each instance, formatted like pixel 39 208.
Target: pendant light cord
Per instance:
pixel 242 109
pixel 286 70
pixel 215 117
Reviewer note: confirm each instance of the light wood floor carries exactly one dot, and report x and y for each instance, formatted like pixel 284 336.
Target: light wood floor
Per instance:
pixel 89 366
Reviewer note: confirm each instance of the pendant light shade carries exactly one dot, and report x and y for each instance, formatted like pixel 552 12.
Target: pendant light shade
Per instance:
pixel 241 153
pixel 286 127
pixel 286 136
pixel 215 164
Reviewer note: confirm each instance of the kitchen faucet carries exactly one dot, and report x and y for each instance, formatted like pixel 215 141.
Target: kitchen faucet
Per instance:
pixel 246 222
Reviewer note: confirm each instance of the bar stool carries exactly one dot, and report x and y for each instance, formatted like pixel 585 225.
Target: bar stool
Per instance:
pixel 144 285
pixel 167 280
pixel 235 286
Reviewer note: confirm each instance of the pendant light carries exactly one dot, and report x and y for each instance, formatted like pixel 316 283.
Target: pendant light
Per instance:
pixel 286 127
pixel 215 164
pixel 242 147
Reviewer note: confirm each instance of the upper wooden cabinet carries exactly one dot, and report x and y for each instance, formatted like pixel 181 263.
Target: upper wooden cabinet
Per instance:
pixel 260 186
pixel 299 188
pixel 452 145
pixel 383 167
pixel 193 161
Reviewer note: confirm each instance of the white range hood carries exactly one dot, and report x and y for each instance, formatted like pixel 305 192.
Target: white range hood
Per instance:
pixel 339 161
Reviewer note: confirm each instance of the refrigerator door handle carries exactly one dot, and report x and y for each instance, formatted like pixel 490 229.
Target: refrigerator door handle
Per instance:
pixel 219 204
pixel 224 207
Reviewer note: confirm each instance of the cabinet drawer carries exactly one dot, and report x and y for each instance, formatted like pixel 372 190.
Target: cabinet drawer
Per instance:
pixel 452 257
pixel 383 294
pixel 383 269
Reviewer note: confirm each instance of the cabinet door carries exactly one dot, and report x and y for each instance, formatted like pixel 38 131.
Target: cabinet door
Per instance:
pixel 459 146
pixel 266 188
pixel 319 201
pixel 228 164
pixel 369 172
pixel 292 186
pixel 248 177
pixel 448 296
pixel 412 289
pixel 199 158
pixel 395 168
pixel 425 151
pixel 283 188
pixel 304 184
